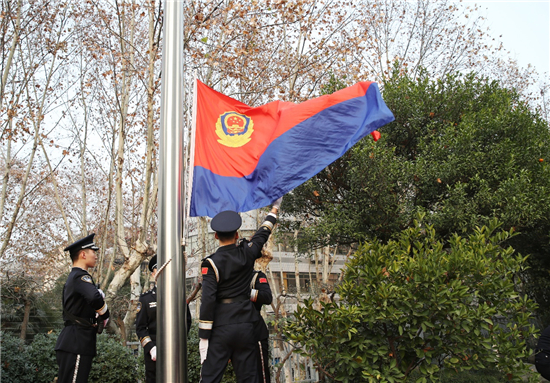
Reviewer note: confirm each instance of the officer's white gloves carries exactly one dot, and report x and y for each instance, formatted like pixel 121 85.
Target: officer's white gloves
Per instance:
pixel 105 321
pixel 277 203
pixel 203 349
pixel 153 353
pixel 102 293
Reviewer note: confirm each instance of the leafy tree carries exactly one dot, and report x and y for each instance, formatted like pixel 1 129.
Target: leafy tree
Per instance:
pixel 462 150
pixel 419 303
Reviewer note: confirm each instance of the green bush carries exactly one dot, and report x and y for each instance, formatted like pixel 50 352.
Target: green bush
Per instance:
pixel 36 363
pixel 114 362
pixel 419 303
pixel 16 363
pixel 482 376
pixel 193 356
pixel 41 352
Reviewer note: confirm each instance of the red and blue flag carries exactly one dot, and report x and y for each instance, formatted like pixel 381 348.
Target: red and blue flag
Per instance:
pixel 245 158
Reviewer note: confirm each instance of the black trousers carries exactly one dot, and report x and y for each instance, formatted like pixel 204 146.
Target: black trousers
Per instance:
pixel 263 361
pixel 150 368
pixel 73 368
pixel 542 363
pixel 235 342
pixel 544 370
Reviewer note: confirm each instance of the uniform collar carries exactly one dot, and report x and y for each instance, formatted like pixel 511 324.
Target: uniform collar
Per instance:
pixel 227 247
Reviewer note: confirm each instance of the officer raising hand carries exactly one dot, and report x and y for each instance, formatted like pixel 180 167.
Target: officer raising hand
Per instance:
pixel 83 308
pixel 227 315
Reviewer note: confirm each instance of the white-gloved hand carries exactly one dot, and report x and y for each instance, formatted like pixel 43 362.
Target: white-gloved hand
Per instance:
pixel 105 321
pixel 153 353
pixel 277 203
pixel 102 293
pixel 203 349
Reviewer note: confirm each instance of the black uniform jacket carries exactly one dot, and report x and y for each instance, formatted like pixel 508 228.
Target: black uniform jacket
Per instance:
pixel 542 355
pixel 226 274
pixel 82 299
pixel 146 319
pixel 261 295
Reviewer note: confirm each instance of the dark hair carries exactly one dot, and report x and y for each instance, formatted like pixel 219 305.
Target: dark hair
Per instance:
pixel 74 254
pixel 226 235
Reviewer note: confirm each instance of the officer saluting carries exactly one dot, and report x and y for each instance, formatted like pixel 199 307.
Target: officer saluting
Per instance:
pixel 227 315
pixel 83 307
pixel 146 325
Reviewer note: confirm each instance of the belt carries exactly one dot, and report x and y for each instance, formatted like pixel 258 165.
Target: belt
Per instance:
pixel 80 323
pixel 239 298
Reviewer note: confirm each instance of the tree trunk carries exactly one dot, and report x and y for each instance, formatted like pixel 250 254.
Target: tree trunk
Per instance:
pixel 14 42
pixel 130 316
pixel 25 322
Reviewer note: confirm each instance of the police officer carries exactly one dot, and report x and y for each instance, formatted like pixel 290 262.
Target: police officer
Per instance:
pixel 146 325
pixel 261 295
pixel 542 355
pixel 227 315
pixel 84 311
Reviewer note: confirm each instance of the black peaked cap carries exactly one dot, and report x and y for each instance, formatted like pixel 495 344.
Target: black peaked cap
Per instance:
pixel 226 222
pixel 153 263
pixel 83 243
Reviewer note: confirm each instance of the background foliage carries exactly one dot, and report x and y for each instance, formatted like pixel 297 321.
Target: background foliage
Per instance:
pixel 420 303
pixel 37 363
pixel 463 150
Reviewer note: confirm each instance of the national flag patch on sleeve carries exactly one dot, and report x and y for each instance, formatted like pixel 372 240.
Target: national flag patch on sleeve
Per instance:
pixel 263 280
pixel 205 270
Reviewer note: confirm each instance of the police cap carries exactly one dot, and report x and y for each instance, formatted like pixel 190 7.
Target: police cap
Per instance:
pixel 153 263
pixel 226 222
pixel 83 243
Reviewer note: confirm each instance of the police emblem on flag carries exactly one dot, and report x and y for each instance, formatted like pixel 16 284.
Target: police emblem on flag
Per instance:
pixel 234 129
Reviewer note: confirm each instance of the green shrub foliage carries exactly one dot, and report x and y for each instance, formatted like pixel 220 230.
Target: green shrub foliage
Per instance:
pixel 36 362
pixel 114 363
pixel 423 305
pixel 17 366
pixel 41 352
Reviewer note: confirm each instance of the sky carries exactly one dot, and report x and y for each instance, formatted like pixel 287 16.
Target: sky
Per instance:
pixel 524 26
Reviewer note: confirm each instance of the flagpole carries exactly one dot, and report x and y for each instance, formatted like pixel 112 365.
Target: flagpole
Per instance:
pixel 171 310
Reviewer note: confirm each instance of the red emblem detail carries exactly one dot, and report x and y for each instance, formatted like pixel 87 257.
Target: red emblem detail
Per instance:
pixel 263 280
pixel 235 125
pixel 205 270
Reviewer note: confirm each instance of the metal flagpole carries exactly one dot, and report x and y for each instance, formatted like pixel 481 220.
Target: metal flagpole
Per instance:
pixel 171 312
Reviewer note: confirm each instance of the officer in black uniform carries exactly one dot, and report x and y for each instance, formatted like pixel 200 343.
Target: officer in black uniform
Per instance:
pixel 542 356
pixel 146 325
pixel 261 295
pixel 227 315
pixel 84 312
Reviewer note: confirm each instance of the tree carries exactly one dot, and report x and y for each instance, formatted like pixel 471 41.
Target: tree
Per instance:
pixel 462 150
pixel 420 303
